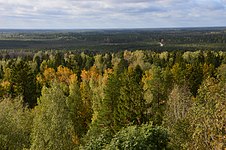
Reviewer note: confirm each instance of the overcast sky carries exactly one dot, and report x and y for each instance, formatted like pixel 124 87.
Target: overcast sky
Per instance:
pixel 82 14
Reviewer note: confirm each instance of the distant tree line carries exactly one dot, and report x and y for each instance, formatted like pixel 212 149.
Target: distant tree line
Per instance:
pixel 115 40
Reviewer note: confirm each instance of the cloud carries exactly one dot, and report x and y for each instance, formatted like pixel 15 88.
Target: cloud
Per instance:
pixel 111 13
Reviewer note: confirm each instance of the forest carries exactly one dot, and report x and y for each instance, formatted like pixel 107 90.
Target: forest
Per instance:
pixel 112 40
pixel 127 100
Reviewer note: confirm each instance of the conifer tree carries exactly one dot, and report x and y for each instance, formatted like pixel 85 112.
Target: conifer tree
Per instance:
pixel 194 76
pixel 157 85
pixel 131 106
pixel 76 110
pixel 23 82
pixel 108 113
pixel 104 125
pixel 86 96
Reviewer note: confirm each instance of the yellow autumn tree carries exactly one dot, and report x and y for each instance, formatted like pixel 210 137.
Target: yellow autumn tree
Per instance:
pixel 62 75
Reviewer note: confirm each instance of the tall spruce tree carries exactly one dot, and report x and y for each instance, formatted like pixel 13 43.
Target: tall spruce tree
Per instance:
pixel 86 96
pixel 131 106
pixel 157 85
pixel 23 82
pixel 108 113
pixel 76 111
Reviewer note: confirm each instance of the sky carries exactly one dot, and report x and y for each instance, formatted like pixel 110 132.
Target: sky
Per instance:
pixel 101 14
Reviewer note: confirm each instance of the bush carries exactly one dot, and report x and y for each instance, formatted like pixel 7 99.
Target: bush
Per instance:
pixel 98 143
pixel 140 138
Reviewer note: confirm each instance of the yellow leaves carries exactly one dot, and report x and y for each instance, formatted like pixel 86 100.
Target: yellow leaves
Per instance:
pixel 207 70
pixel 176 69
pixel 49 74
pixel 83 86
pixel 107 72
pixel 73 78
pixel 75 139
pixel 7 74
pixel 92 73
pixel 62 75
pixel 208 114
pixel 127 55
pixel 5 84
pixel 146 78
pixel 164 55
pixel 130 69
pixel 178 73
pixel 221 72
pixel 189 67
pixel 40 79
pixel 85 75
pixel 148 75
pixel 95 116
pixel 4 87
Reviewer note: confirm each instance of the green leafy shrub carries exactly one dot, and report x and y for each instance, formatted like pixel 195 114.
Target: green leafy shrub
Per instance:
pixel 98 143
pixel 140 138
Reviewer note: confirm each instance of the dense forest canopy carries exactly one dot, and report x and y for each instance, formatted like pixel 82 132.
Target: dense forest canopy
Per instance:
pixel 113 100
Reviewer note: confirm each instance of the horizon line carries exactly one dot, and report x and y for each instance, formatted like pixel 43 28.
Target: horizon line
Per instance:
pixel 112 28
